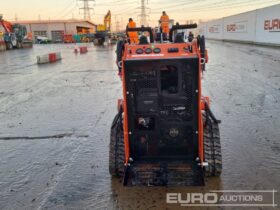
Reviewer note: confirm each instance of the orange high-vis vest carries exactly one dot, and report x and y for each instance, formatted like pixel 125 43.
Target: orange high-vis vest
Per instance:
pixel 133 36
pixel 165 23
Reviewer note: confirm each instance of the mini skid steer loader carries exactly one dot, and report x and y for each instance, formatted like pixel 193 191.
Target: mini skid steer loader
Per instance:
pixel 164 133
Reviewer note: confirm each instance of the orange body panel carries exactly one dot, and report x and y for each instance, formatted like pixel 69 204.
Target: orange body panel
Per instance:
pixel 125 118
pixel 204 99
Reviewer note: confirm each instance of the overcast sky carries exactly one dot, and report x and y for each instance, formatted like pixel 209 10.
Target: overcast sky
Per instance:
pixel 180 10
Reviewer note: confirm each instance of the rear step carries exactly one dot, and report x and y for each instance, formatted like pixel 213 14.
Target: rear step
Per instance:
pixel 165 174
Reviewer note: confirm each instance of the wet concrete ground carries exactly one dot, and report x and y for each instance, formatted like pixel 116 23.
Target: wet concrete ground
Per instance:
pixel 55 123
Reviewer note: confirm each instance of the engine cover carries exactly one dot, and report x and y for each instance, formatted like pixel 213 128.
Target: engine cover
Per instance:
pixel 162 108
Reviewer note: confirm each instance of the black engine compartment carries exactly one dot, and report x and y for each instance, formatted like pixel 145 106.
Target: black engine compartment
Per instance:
pixel 162 106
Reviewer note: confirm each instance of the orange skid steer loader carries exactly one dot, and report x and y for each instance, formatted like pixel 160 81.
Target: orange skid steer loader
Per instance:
pixel 164 133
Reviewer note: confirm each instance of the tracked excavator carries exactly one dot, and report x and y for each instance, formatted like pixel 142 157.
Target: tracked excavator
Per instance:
pixel 15 35
pixel 103 31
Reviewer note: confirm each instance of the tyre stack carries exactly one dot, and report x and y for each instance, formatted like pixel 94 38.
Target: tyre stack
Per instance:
pixel 2 43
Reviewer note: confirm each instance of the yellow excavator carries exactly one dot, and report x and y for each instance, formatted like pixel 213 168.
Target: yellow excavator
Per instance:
pixel 103 32
pixel 107 23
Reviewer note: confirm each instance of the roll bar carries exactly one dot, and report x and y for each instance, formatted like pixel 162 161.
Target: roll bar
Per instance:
pixel 177 27
pixel 143 29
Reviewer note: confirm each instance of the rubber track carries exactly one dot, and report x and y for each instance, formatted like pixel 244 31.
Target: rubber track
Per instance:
pixel 212 147
pixel 116 153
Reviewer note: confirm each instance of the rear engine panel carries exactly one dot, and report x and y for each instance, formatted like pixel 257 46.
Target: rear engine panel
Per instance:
pixel 162 101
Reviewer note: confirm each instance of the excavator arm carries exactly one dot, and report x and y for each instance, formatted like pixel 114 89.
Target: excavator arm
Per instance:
pixel 7 26
pixel 107 21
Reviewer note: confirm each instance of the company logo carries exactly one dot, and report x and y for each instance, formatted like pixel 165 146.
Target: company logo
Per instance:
pixel 237 198
pixel 231 27
pixel 214 29
pixel 237 27
pixel 272 25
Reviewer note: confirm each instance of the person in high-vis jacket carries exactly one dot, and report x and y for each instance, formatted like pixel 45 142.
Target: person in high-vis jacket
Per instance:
pixel 164 21
pixel 133 35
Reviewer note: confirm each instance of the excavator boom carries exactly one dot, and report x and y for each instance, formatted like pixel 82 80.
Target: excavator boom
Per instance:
pixel 7 26
pixel 107 21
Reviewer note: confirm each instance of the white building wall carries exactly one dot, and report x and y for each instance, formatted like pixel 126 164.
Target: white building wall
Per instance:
pixel 71 28
pixel 268 25
pixel 56 27
pixel 214 29
pixel 240 27
pixel 202 27
pixel 258 26
pixel 67 27
pixel 40 27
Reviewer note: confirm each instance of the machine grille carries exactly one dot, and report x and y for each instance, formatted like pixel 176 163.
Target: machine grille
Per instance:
pixel 162 108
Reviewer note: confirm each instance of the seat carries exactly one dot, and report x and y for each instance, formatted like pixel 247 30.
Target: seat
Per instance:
pixel 179 38
pixel 143 40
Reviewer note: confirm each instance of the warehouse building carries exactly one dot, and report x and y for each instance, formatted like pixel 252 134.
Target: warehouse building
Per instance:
pixel 55 29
